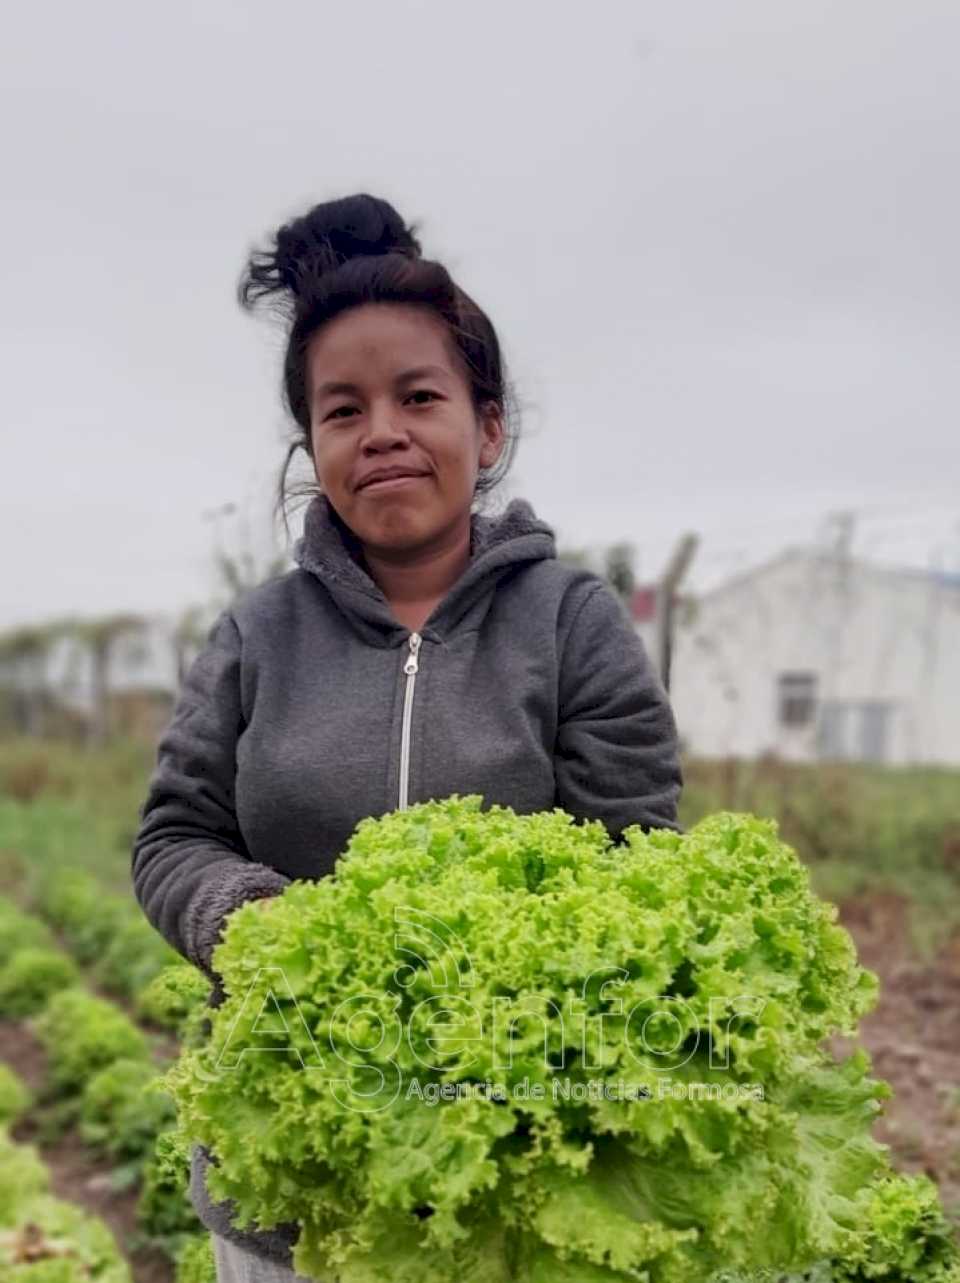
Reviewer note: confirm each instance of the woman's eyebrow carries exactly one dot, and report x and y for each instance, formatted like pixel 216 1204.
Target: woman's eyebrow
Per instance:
pixel 406 376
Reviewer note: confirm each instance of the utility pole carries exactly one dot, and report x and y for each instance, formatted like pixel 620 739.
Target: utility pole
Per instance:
pixel 838 533
pixel 843 524
pixel 667 587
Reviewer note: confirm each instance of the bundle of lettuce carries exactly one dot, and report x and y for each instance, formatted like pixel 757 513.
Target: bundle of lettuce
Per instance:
pixel 498 1047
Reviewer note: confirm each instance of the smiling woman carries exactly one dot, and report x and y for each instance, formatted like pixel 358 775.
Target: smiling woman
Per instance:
pixel 421 648
pixel 391 369
pixel 399 455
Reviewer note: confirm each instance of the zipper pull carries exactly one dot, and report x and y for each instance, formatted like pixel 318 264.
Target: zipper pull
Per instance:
pixel 411 666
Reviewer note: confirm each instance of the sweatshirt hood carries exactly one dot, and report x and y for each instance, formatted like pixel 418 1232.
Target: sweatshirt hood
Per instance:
pixel 329 550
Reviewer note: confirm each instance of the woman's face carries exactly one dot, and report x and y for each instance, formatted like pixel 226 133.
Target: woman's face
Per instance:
pixel 394 413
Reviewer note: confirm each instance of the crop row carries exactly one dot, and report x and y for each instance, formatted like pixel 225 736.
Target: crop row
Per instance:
pixel 102 1080
pixel 42 1237
pixel 104 932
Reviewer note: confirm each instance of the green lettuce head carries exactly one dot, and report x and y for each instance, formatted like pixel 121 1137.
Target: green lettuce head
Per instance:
pixel 495 1046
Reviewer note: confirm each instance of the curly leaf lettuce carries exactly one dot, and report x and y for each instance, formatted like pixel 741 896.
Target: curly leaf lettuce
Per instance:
pixel 650 1015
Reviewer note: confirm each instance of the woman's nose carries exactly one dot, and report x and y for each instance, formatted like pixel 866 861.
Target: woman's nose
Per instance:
pixel 384 425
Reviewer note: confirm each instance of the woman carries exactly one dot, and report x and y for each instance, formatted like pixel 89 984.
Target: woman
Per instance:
pixel 419 648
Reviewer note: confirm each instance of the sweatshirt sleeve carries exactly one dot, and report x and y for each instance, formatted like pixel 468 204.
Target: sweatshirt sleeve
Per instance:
pixel 190 865
pixel 617 753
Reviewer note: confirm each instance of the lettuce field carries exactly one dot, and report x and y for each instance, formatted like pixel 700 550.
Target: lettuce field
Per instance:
pixel 107 1043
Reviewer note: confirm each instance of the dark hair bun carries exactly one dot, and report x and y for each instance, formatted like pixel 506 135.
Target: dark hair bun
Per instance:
pixel 340 229
pixel 323 238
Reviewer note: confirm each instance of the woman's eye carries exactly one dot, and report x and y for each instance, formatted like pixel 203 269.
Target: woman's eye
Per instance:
pixel 419 392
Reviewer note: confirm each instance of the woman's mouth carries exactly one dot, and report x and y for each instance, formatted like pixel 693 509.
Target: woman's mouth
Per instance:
pixel 389 483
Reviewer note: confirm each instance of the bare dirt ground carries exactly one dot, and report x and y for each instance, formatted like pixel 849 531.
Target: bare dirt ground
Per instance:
pixel 913 1037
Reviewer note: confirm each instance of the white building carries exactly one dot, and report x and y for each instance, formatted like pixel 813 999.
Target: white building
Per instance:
pixel 814 656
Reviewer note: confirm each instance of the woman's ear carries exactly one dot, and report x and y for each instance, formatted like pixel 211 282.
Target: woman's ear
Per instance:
pixel 492 431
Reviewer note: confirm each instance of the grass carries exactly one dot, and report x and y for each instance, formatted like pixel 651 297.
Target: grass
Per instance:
pixel 111 779
pixel 859 828
pixel 63 804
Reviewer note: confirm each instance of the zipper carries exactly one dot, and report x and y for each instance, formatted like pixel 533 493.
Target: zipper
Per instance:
pixel 411 667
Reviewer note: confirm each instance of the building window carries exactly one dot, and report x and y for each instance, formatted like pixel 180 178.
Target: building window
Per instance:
pixel 875 731
pixel 797 698
pixel 855 731
pixel 833 735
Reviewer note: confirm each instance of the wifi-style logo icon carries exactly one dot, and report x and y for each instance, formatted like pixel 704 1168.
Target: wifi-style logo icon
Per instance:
pixel 429 945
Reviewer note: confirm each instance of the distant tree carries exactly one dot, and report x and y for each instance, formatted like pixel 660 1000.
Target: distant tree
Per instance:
pixel 577 557
pixel 189 634
pixel 24 672
pixel 618 568
pixel 237 568
pixel 23 660
pixel 240 572
pixel 616 565
pixel 98 636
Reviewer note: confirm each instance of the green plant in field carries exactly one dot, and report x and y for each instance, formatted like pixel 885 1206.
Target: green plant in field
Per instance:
pixel 108 780
pixel 13 872
pixel 19 930
pixel 81 1034
pixel 75 903
pixel 90 832
pixel 195 1261
pixel 47 1240
pixel 22 1174
pixel 164 1210
pixel 907 1236
pixel 135 955
pixel 15 1096
pixel 30 977
pixel 44 1240
pixel 176 998
pixel 123 1110
pixel 107 932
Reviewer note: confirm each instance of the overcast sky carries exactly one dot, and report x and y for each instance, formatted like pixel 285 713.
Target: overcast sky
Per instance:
pixel 719 240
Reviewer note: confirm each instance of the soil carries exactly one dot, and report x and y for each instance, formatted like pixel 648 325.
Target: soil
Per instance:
pixel 913 1037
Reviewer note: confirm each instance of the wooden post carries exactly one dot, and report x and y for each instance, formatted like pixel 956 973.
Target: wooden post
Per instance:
pixel 666 589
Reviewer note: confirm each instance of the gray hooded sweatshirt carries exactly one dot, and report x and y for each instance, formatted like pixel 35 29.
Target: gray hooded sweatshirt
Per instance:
pixel 311 707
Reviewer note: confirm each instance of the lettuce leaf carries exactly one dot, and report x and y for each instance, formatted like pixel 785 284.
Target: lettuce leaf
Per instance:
pixel 495 1046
